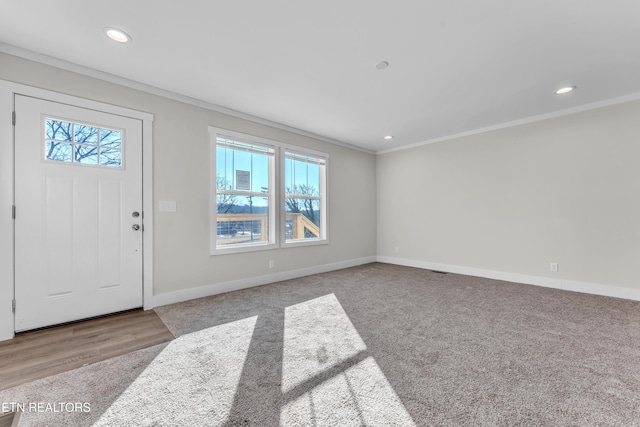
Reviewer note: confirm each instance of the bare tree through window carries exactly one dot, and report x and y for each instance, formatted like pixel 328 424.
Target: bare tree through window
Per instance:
pixel 80 143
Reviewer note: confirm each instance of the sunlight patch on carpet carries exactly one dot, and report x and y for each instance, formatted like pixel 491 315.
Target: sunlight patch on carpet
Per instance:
pixel 328 377
pixel 192 382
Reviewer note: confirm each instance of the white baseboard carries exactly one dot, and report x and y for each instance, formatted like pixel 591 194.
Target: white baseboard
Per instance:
pixel 567 285
pixel 235 285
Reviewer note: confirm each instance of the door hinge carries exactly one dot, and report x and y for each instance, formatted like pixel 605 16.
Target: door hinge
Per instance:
pixel 13 211
pixel 13 306
pixel 13 118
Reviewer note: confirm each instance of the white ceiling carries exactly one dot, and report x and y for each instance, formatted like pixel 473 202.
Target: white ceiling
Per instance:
pixel 455 65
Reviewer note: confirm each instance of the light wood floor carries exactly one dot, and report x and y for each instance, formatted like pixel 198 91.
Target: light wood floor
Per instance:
pixel 38 354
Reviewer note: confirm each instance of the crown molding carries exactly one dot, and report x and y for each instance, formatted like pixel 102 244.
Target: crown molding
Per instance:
pixel 527 120
pixel 133 84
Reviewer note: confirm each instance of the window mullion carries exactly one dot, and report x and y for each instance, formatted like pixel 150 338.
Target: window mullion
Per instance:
pixel 301 196
pixel 303 169
pixel 242 193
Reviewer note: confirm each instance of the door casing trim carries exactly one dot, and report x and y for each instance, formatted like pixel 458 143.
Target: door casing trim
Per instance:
pixel 7 195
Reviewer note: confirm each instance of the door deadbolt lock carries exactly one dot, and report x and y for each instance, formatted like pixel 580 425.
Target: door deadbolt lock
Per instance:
pixel 135 227
pixel 135 214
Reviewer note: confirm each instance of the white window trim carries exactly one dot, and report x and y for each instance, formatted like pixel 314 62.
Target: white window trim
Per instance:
pixel 276 202
pixel 214 132
pixel 324 208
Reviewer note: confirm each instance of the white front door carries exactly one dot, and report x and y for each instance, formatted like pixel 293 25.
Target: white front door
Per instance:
pixel 78 224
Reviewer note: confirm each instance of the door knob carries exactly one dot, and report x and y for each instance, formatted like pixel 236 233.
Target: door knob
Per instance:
pixel 135 227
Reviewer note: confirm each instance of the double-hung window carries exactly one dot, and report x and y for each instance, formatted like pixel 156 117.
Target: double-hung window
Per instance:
pixel 304 198
pixel 265 194
pixel 244 195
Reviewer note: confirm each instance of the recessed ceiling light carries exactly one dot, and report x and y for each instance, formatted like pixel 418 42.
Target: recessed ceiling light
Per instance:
pixel 564 90
pixel 388 137
pixel 382 65
pixel 117 35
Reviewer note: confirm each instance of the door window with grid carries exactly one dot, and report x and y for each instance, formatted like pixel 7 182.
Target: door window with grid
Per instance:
pixel 72 142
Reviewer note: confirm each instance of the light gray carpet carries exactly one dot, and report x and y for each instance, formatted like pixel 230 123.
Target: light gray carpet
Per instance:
pixel 372 345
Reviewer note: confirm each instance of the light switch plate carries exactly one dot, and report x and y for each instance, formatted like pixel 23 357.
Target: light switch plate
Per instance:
pixel 168 206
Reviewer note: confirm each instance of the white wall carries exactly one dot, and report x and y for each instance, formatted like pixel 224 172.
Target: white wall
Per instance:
pixel 563 190
pixel 181 172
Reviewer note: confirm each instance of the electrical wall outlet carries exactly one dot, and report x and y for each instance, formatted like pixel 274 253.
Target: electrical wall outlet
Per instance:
pixel 554 267
pixel 271 263
pixel 396 249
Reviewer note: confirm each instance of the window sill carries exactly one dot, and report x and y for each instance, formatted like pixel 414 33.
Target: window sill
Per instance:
pixel 306 242
pixel 238 250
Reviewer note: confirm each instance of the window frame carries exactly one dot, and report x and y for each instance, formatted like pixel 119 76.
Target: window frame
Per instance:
pixel 74 144
pixel 272 242
pixel 277 199
pixel 323 238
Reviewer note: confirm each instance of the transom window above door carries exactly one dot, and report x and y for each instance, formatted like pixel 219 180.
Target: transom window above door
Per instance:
pixel 80 143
